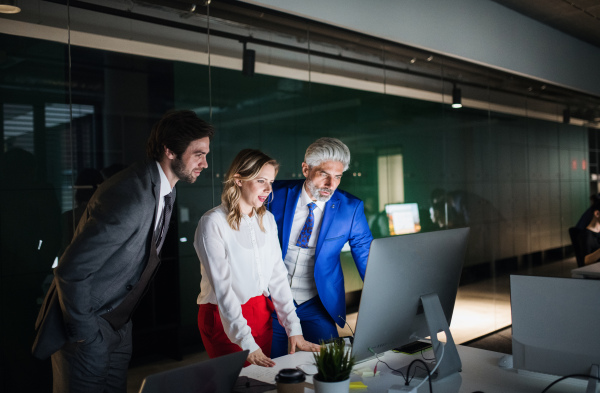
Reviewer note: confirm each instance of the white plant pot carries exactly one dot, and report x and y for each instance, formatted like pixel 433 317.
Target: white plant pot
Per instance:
pixel 331 387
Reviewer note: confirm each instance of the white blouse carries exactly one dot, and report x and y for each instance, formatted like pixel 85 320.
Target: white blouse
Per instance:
pixel 239 265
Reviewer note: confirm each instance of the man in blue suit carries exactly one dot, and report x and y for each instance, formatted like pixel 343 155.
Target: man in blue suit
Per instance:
pixel 314 221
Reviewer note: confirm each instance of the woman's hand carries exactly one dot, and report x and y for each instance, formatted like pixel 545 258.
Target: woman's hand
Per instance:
pixel 260 359
pixel 298 342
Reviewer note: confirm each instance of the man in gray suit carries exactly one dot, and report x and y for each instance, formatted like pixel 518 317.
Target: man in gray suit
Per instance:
pixel 85 321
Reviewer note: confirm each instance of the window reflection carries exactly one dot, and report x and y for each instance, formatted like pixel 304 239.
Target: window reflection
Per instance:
pixel 509 177
pixel 18 126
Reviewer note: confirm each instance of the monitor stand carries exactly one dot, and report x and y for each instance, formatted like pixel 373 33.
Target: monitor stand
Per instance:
pixel 592 386
pixel 446 354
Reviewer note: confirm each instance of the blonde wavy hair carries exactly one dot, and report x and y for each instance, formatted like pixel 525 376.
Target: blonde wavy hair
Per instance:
pixel 245 166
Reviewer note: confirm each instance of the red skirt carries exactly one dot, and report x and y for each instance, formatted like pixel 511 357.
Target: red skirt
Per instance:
pixel 257 312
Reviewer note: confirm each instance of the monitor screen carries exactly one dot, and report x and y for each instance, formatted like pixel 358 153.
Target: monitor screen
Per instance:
pixel 400 271
pixel 555 324
pixel 403 218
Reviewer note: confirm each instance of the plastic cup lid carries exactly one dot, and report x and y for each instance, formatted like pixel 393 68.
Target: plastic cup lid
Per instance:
pixel 290 375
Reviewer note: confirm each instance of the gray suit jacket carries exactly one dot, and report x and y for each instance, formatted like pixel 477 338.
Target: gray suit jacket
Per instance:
pixel 109 251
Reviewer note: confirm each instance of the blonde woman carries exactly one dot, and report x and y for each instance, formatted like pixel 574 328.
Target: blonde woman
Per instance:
pixel 241 266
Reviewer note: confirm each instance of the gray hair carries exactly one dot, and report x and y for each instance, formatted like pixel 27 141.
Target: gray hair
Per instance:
pixel 327 149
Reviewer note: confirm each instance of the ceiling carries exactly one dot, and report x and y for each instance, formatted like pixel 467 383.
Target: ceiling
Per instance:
pixel 578 18
pixel 248 23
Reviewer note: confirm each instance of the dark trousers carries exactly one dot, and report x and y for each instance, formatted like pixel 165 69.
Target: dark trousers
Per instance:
pixel 316 324
pixel 98 365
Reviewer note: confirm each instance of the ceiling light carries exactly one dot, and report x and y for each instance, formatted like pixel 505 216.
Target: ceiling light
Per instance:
pixel 413 60
pixel 9 7
pixel 248 60
pixel 456 97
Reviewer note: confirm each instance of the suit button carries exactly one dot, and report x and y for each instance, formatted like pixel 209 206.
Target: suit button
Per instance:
pixel 129 287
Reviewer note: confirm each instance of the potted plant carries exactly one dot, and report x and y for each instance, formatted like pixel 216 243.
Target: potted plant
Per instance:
pixel 334 365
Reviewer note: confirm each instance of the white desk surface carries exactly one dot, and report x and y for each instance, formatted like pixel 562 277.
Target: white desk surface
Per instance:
pixel 592 270
pixel 480 373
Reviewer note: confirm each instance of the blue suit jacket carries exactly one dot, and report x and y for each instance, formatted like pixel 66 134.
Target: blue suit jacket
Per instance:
pixel 343 221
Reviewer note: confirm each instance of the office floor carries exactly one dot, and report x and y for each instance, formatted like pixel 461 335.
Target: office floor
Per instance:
pixel 481 319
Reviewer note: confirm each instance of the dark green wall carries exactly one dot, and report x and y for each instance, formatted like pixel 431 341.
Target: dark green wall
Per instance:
pixel 522 177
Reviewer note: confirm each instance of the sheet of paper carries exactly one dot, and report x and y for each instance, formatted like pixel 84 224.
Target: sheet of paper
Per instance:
pixel 304 360
pixel 263 374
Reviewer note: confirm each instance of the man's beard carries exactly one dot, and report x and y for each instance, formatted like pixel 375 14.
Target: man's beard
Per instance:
pixel 178 168
pixel 314 191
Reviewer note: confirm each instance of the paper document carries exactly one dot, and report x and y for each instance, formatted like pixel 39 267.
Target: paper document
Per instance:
pixel 300 360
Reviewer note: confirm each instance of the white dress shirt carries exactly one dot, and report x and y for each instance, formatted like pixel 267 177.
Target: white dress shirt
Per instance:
pixel 239 265
pixel 300 262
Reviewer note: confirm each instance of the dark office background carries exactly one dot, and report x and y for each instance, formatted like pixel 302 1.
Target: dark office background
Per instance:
pixel 525 180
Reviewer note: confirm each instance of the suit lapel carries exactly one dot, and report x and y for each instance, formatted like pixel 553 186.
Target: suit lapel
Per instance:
pixel 155 178
pixel 291 201
pixel 331 209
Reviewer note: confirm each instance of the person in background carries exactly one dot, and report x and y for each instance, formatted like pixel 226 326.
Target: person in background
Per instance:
pixel 314 221
pixel 586 217
pixel 450 209
pixel 240 263
pixel 590 237
pixel 85 321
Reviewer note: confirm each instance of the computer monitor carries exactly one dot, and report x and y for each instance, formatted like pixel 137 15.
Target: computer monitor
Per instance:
pixel 555 325
pixel 403 218
pixel 409 293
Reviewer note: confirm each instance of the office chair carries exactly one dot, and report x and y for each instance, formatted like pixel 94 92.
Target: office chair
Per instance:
pixel 575 235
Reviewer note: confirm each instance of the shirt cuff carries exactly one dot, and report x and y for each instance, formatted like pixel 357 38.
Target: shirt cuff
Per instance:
pixel 295 329
pixel 249 344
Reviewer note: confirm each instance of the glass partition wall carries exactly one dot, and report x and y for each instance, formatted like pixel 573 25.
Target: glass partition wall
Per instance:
pixel 77 108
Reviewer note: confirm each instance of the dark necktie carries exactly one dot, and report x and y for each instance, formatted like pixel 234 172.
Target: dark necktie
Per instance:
pixel 308 227
pixel 163 224
pixel 119 316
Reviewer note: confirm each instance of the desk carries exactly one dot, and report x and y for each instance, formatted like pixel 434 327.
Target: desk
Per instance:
pixel 589 271
pixel 480 373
